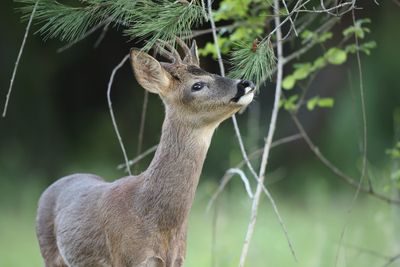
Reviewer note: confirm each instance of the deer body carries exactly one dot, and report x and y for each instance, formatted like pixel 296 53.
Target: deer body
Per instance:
pixel 141 220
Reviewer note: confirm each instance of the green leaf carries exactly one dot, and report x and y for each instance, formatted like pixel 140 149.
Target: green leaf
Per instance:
pixel 288 82
pixel 336 56
pixel 307 35
pixel 312 103
pixel 326 102
pixel 319 63
pixel 325 36
pixel 302 71
pixel 209 49
pixel 366 47
pixel 290 103
pixel 232 9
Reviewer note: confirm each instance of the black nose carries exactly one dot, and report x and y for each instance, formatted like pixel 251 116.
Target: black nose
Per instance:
pixel 244 84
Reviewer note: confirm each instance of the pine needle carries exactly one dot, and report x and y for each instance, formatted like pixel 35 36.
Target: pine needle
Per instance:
pixel 164 20
pixel 146 20
pixel 69 23
pixel 254 62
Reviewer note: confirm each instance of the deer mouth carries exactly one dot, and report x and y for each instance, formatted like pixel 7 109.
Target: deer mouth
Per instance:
pixel 244 95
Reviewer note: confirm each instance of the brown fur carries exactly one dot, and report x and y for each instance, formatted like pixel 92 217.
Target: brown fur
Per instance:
pixel 141 220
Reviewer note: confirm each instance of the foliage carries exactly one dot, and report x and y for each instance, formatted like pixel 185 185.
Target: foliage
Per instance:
pixel 249 17
pixel 152 21
pixel 253 62
pixel 143 19
pixel 69 23
pixel 394 152
pixel 335 55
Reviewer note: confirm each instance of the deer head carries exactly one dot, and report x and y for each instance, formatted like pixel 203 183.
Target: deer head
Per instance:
pixel 192 94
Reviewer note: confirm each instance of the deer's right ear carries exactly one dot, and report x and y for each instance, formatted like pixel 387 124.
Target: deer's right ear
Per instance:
pixel 149 73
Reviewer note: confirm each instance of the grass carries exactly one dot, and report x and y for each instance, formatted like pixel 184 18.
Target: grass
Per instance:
pixel 315 222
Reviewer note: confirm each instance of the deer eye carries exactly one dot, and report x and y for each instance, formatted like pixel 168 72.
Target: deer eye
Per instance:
pixel 197 86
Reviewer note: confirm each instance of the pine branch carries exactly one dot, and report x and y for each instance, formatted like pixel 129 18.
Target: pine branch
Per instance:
pixel 69 23
pixel 164 20
pixel 146 20
pixel 253 62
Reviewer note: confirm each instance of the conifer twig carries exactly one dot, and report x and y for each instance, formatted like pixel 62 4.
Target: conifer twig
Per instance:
pixel 267 147
pixel 28 26
pixel 112 112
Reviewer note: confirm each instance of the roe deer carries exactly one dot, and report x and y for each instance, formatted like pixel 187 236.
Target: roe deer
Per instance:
pixel 141 220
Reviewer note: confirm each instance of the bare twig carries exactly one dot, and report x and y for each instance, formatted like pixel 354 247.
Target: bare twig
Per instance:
pixel 364 147
pixel 348 179
pixel 28 26
pixel 244 179
pixel 84 36
pixel 138 158
pixel 363 112
pixel 142 122
pixel 291 20
pixel 222 70
pixel 228 175
pixel 102 35
pixel 267 147
pixel 326 26
pixel 391 260
pixel 112 112
pixel 367 251
pixel 242 148
pixel 215 37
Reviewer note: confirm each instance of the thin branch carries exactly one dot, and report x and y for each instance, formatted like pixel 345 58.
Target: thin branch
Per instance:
pixel 214 236
pixel 291 20
pixel 225 180
pixel 228 175
pixel 334 8
pixel 142 122
pixel 244 179
pixel 326 26
pixel 222 70
pixel 391 260
pixel 348 179
pixel 267 147
pixel 364 147
pixel 102 35
pixel 215 37
pixel 84 36
pixel 363 112
pixel 367 251
pixel 242 148
pixel 112 112
pixel 138 158
pixel 18 59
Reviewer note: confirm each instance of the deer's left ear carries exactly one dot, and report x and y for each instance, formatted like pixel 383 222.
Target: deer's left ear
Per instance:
pixel 149 73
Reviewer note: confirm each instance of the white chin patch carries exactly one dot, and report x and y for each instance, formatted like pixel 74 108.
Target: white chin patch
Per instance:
pixel 246 99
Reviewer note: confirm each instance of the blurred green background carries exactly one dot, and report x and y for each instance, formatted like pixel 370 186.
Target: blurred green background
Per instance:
pixel 58 123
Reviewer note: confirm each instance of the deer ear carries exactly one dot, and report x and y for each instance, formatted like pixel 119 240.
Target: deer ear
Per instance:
pixel 148 72
pixel 194 53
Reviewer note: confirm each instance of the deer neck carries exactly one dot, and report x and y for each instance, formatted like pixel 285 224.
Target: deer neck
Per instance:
pixel 172 177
